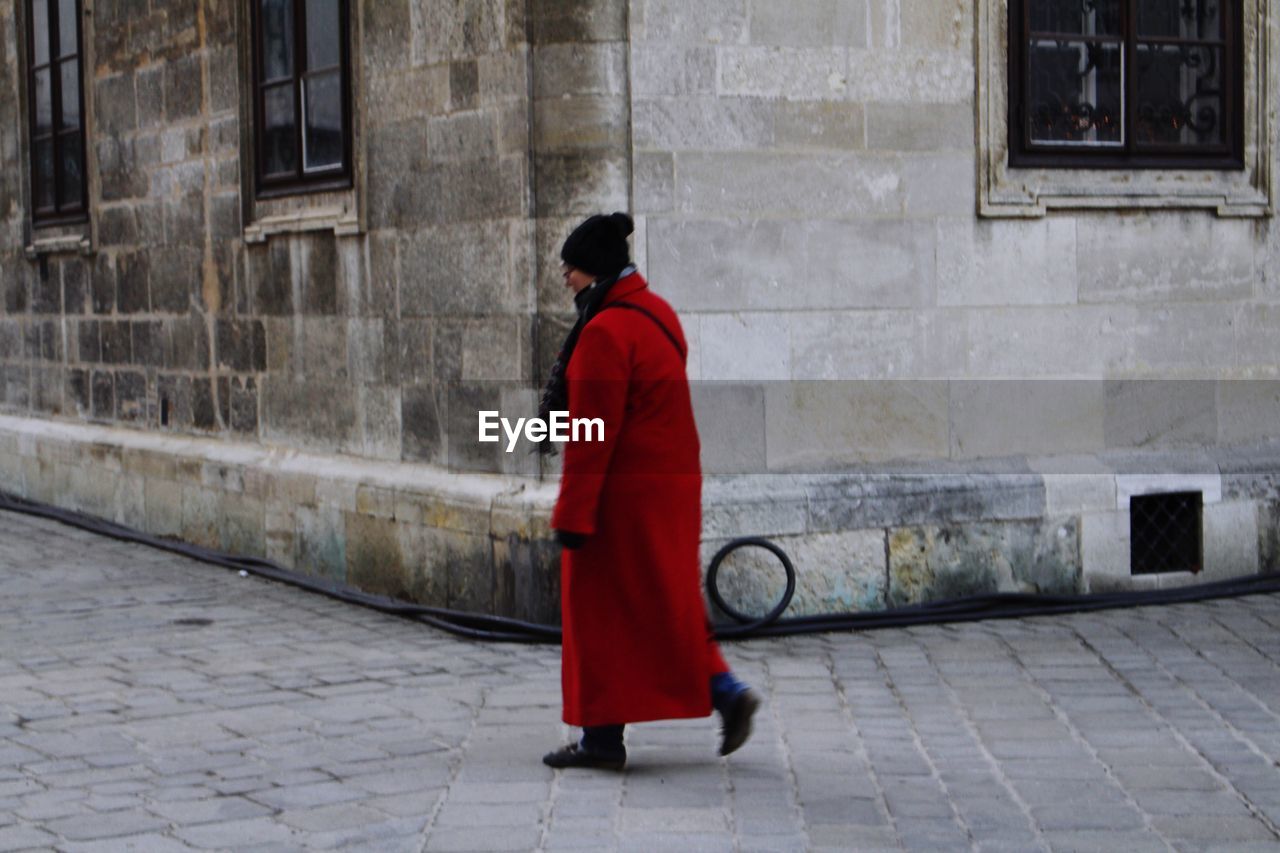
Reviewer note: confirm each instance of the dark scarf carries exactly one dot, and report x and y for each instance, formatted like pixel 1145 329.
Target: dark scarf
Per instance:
pixel 555 396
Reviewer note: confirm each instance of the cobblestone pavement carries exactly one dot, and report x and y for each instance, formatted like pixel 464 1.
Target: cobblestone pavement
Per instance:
pixel 152 703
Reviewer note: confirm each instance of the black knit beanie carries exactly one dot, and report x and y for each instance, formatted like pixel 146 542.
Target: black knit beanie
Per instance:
pixel 598 246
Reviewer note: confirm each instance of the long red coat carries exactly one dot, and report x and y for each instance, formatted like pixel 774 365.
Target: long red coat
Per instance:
pixel 636 643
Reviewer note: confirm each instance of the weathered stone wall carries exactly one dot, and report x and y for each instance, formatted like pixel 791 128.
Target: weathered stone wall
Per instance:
pixel 807 172
pixel 804 185
pixel 806 176
pixel 291 378
pixel 338 324
pixel 401 529
pixel 145 311
pixel 332 339
pixel 440 289
pixel 892 535
pixel 581 122
pixel 859 540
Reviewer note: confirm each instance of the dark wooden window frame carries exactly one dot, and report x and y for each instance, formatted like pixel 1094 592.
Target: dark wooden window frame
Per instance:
pixel 76 210
pixel 1023 153
pixel 266 187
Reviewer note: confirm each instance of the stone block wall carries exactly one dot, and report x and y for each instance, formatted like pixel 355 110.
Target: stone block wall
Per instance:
pixel 443 276
pixel 859 541
pixel 135 324
pixel 896 535
pixel 804 192
pixel 175 316
pixel 401 529
pixel 290 377
pixel 805 179
pixel 807 182
pixel 581 126
pixel 190 333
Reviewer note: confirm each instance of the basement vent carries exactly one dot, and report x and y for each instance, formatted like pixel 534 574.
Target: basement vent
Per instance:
pixel 1165 533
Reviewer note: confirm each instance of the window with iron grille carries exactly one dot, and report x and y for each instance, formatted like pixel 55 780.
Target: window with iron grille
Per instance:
pixel 1125 83
pixel 1165 533
pixel 56 111
pixel 302 110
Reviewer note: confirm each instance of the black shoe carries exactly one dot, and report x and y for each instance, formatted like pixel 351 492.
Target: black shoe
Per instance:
pixel 736 727
pixel 574 755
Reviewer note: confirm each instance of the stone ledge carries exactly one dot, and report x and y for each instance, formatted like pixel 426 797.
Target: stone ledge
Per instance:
pixel 340 221
pixel 1251 473
pixel 861 538
pixel 1009 489
pixel 120 444
pixel 66 244
pixel 471 541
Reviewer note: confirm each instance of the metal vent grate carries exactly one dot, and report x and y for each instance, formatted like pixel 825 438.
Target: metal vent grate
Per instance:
pixel 1165 533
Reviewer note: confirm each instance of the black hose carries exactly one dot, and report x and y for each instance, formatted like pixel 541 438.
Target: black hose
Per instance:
pixel 476 626
pixel 748 625
pixel 480 626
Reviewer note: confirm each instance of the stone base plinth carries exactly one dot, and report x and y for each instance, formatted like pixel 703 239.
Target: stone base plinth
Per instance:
pixel 861 539
pixel 472 542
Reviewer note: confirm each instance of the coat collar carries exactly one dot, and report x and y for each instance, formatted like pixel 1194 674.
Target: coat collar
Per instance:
pixel 625 287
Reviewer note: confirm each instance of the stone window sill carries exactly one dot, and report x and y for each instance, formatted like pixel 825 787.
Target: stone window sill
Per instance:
pixel 60 244
pixel 1004 191
pixel 1011 192
pixel 340 220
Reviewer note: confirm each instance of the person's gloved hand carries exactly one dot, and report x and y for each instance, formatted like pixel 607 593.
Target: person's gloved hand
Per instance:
pixel 570 540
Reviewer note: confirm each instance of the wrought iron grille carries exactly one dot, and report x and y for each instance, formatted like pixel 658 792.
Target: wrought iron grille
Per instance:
pixel 1165 533
pixel 1125 83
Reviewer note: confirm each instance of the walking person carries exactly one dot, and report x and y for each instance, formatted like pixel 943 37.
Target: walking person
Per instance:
pixel 637 644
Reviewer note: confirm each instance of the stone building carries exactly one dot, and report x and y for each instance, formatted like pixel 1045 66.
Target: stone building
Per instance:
pixel 967 310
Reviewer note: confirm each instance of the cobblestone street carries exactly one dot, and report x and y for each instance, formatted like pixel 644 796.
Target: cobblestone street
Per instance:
pixel 148 702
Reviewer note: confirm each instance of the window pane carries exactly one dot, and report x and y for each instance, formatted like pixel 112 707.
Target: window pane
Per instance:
pixel 44 102
pixel 277 39
pixel 1190 19
pixel 70 93
pixel 1179 95
pixel 279 133
pixel 40 30
pixel 42 173
pixel 324 121
pixel 1077 17
pixel 1075 92
pixel 72 170
pixel 67 28
pixel 323 34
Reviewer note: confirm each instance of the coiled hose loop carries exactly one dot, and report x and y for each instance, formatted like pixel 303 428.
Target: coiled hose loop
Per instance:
pixel 481 626
pixel 748 624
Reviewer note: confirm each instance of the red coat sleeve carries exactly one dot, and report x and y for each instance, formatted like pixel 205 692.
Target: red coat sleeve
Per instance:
pixel 598 376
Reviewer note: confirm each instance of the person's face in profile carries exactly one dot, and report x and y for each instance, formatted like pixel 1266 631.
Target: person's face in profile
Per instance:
pixel 575 279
